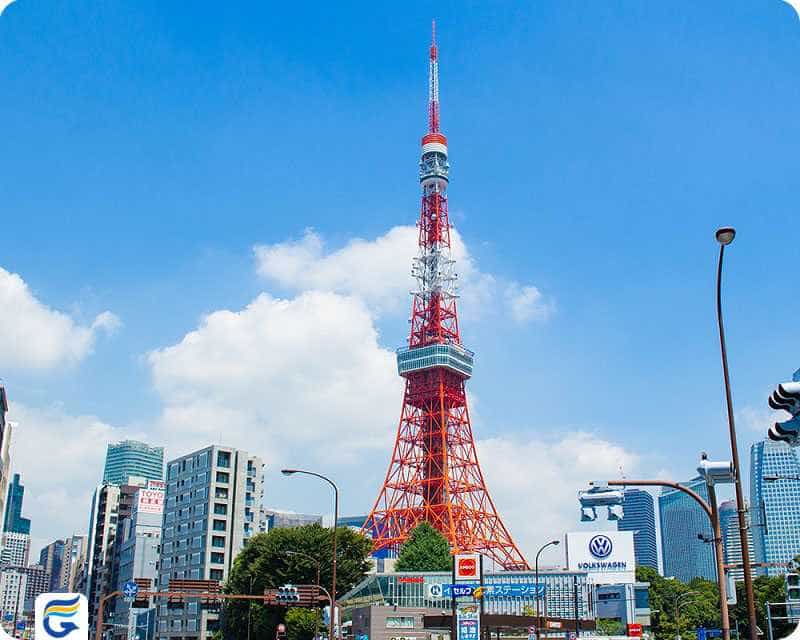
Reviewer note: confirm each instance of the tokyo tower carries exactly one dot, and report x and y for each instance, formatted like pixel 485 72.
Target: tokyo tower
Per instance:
pixel 434 475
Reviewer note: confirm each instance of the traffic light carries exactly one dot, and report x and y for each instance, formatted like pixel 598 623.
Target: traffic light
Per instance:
pixel 288 593
pixel 786 398
pixel 601 496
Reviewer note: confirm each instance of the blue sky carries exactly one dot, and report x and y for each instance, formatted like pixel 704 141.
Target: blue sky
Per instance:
pixel 148 148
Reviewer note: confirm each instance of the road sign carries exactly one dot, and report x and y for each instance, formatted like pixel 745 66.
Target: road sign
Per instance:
pixel 129 590
pixel 8 617
pixel 21 625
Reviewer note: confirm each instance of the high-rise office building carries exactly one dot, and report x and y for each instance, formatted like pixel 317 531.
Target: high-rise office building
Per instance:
pixel 682 520
pixel 137 549
pixel 19 587
pixel 211 509
pixel 16 548
pixel 132 458
pixel 14 522
pixel 111 505
pixel 775 507
pixel 639 517
pixel 5 451
pixel 51 558
pixel 732 543
pixel 71 567
pixel 13 583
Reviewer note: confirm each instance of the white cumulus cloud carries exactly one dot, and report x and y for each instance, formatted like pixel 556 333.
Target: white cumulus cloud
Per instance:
pixel 4 5
pixel 281 375
pixel 379 272
pixel 38 337
pixel 535 482
pixel 60 457
pixel 527 303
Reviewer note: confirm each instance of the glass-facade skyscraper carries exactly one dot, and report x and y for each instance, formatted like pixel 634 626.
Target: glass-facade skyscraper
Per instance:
pixel 682 519
pixel 775 504
pixel 639 517
pixel 131 458
pixel 14 522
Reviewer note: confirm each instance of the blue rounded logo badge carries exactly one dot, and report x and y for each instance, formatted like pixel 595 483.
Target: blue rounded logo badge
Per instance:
pixel 600 546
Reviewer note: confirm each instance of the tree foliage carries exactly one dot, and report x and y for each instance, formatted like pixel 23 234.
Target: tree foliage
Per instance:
pixel 425 550
pixel 698 604
pixel 302 624
pixel 265 564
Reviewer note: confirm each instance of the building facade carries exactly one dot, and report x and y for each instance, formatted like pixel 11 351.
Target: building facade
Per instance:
pixel 640 518
pixel 138 540
pixel 102 527
pixel 72 565
pixel 13 583
pixel 732 543
pixel 775 504
pixel 52 559
pixel 684 555
pixel 211 508
pixel 270 519
pixel 5 451
pixel 14 522
pixel 16 549
pixel 132 458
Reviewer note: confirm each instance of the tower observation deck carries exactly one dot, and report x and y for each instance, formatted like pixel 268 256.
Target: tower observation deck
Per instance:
pixel 434 475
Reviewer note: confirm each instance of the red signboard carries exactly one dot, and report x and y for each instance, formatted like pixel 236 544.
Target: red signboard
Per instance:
pixel 634 631
pixel 467 567
pixel 411 579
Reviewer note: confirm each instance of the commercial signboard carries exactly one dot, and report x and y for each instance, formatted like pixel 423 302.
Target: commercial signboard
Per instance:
pixel 468 566
pixel 150 501
pixel 468 621
pixel 606 556
pixel 489 591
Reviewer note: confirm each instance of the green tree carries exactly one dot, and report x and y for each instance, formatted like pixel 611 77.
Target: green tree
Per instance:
pixel 302 624
pixel 425 550
pixel 610 627
pixel 696 604
pixel 265 564
pixel 765 589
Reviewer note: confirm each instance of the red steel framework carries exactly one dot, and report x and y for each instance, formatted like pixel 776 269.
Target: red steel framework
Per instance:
pixel 434 475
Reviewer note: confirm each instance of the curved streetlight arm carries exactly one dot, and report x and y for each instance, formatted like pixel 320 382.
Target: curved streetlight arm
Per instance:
pixel 663 483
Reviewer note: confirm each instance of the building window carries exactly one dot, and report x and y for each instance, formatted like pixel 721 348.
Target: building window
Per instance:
pixel 224 459
pixel 221 492
pixel 215 574
pixel 400 622
pixel 219 525
pixel 222 476
pixel 217 558
pixel 220 509
pixel 218 541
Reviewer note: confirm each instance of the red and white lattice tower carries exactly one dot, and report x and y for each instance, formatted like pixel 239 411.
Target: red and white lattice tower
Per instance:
pixel 434 475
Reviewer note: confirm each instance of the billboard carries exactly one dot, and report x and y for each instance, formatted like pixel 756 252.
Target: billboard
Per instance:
pixel 150 501
pixel 607 556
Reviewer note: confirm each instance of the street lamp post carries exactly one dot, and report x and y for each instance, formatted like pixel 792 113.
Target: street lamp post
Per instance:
pixel 536 573
pixel 713 516
pixel 725 236
pixel 289 472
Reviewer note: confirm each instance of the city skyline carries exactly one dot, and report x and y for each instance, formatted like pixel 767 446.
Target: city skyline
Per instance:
pixel 182 251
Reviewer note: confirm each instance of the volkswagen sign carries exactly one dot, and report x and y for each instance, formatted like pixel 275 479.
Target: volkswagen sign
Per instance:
pixel 607 557
pixel 601 546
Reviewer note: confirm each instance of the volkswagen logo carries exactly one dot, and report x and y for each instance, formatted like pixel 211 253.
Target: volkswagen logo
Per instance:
pixel 600 546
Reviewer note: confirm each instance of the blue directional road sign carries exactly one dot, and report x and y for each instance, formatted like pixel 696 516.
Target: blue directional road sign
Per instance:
pixel 130 589
pixel 8 617
pixel 21 625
